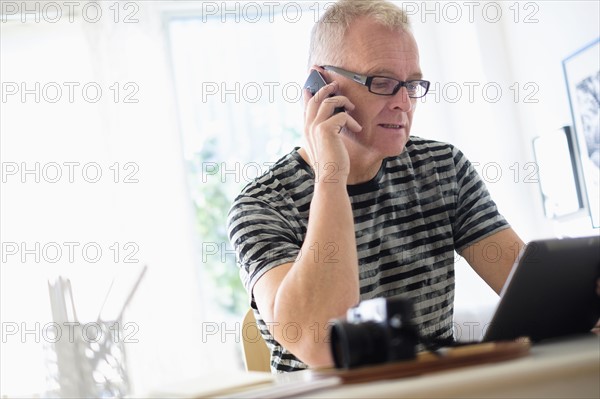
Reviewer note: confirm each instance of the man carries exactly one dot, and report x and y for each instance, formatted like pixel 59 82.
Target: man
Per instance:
pixel 363 210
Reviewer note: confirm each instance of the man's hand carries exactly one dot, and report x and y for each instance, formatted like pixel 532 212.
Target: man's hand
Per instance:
pixel 325 148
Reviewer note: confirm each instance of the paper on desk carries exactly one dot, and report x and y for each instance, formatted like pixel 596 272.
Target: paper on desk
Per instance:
pixel 214 384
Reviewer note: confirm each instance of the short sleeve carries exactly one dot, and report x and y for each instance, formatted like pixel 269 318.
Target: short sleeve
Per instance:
pixel 262 236
pixel 476 215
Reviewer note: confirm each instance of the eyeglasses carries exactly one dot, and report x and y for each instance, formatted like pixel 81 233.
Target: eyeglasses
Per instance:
pixel 382 85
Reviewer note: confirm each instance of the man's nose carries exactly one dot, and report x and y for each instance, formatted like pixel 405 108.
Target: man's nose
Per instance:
pixel 401 100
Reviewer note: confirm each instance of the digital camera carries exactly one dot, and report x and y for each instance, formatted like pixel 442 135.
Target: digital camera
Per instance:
pixel 376 331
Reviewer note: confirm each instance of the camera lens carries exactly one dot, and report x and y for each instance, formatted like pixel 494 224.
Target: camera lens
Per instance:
pixel 359 344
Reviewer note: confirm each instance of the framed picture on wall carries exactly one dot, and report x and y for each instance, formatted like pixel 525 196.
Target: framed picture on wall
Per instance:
pixel 582 74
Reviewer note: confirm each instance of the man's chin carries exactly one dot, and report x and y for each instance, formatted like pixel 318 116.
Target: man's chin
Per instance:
pixel 384 146
pixel 393 147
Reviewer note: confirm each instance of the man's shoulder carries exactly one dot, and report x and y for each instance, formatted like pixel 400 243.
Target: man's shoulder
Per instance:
pixel 284 174
pixel 422 150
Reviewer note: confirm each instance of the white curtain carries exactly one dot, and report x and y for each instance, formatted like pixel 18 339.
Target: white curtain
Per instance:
pixel 129 133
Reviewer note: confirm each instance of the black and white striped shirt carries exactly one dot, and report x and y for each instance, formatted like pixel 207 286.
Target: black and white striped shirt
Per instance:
pixel 409 219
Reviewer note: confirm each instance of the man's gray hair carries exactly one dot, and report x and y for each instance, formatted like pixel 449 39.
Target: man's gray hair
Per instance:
pixel 327 38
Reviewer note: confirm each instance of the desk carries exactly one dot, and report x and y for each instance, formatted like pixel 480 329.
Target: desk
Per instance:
pixel 560 369
pixel 568 368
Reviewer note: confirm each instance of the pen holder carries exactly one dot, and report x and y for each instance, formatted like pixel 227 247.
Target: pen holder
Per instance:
pixel 87 361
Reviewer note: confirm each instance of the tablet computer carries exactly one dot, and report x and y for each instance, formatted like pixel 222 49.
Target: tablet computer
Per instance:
pixel 550 292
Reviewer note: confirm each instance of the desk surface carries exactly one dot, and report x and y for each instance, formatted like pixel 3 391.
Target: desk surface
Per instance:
pixel 568 368
pixel 559 369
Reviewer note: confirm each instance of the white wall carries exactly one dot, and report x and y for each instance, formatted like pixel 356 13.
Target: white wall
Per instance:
pixel 525 44
pixel 537 51
pixel 524 48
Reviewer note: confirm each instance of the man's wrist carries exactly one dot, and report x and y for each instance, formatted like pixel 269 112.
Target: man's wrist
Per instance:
pixel 330 173
pixel 337 188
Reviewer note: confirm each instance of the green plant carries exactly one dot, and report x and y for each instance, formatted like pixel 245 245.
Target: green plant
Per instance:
pixel 212 204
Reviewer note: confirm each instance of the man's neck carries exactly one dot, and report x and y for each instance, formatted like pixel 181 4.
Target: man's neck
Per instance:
pixel 362 169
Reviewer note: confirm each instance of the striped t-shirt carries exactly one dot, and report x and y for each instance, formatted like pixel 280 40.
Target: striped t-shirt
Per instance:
pixel 409 219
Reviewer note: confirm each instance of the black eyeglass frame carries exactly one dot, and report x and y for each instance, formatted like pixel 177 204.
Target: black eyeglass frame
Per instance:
pixel 367 80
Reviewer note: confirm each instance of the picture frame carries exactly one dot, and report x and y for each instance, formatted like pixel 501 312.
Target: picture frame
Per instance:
pixel 582 76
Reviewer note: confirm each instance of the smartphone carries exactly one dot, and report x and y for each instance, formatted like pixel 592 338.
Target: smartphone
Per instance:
pixel 314 83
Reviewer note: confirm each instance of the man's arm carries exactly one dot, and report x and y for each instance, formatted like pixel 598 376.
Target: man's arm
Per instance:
pixel 323 281
pixel 322 284
pixel 493 257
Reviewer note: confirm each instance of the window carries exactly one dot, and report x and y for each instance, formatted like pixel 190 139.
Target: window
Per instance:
pixel 239 94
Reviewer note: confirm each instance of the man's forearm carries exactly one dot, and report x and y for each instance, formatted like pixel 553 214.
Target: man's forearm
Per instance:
pixel 323 282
